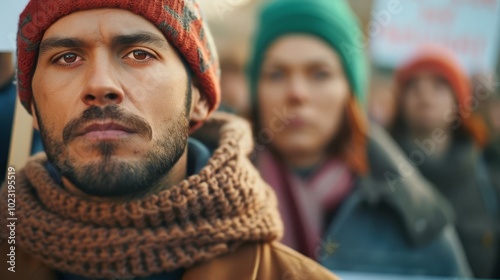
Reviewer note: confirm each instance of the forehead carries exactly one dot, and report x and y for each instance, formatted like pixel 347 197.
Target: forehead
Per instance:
pixel 426 75
pixel 100 24
pixel 301 49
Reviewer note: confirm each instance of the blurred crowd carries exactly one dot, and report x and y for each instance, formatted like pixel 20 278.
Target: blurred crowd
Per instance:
pixel 376 170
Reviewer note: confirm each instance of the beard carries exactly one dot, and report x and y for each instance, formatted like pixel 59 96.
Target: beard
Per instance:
pixel 112 176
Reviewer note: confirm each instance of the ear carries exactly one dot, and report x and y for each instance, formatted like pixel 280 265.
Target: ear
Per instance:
pixel 199 105
pixel 34 115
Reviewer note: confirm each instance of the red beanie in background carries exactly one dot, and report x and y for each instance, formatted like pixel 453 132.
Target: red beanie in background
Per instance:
pixel 441 61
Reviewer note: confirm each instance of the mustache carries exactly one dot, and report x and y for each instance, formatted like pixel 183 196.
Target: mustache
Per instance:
pixel 108 113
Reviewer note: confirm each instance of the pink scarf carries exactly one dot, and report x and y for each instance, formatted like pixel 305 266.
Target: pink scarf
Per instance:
pixel 304 204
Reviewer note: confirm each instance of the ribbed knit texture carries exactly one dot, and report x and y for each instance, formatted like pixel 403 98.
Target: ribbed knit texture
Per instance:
pixel 180 21
pixel 204 216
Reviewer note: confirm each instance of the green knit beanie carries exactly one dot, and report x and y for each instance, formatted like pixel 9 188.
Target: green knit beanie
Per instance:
pixel 333 21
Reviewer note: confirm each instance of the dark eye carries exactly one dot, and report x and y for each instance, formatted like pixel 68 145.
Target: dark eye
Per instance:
pixel 441 82
pixel 275 75
pixel 68 59
pixel 140 55
pixel 321 75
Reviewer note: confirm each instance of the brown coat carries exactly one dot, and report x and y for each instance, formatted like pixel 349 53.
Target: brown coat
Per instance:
pixel 250 262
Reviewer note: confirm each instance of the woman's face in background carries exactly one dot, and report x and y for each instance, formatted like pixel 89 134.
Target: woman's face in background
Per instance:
pixel 426 100
pixel 302 96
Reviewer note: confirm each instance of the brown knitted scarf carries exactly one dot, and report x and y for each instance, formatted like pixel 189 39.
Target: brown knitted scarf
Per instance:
pixel 204 216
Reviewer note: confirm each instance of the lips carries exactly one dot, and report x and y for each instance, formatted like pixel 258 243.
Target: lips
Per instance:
pixel 297 122
pixel 107 126
pixel 108 123
pixel 105 131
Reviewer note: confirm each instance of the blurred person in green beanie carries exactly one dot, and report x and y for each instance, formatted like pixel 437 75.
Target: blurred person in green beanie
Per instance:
pixel 344 192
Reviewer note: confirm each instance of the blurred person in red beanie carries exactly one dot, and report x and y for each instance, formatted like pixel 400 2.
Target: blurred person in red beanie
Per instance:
pixel 138 180
pixel 437 128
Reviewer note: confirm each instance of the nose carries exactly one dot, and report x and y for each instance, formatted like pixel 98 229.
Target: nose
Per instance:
pixel 426 91
pixel 101 87
pixel 297 89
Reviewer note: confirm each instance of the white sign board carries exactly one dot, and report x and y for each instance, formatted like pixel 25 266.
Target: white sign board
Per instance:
pixel 471 28
pixel 9 18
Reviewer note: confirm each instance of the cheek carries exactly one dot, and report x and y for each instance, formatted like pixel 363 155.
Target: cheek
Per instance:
pixel 409 105
pixel 446 100
pixel 269 100
pixel 329 106
pixel 53 103
pixel 151 82
pixel 159 95
pixel 406 102
pixel 45 89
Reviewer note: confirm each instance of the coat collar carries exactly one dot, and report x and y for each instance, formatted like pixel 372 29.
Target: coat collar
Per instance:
pixel 394 180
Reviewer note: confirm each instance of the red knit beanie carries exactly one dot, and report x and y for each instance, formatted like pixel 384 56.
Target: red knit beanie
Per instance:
pixel 179 20
pixel 441 61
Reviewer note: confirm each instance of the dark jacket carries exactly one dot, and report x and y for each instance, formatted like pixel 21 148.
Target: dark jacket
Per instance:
pixel 394 221
pixel 492 157
pixel 462 176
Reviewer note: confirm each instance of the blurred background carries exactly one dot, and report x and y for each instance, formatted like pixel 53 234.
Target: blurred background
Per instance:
pixel 393 31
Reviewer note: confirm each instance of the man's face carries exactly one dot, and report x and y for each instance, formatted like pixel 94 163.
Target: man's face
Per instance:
pixel 112 101
pixel 311 87
pixel 426 99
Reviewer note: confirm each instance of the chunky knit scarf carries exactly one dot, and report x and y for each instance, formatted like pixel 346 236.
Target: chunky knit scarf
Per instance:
pixel 204 216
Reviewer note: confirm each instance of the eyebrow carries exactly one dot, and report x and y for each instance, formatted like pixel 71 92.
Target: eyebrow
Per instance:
pixel 117 41
pixel 140 38
pixel 58 42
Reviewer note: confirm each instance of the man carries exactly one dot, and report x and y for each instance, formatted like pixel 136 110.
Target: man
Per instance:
pixel 116 88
